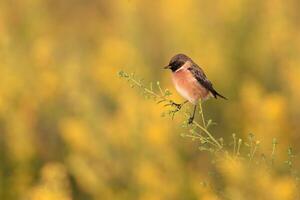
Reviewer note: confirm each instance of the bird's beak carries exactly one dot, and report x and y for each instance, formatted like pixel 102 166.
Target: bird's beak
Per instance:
pixel 167 67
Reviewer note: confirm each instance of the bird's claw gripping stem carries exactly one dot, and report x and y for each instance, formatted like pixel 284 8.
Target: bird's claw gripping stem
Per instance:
pixel 191 119
pixel 177 105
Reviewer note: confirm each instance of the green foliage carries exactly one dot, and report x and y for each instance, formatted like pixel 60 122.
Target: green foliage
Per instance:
pixel 160 97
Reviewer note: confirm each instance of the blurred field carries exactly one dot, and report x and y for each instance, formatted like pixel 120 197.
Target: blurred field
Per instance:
pixel 71 129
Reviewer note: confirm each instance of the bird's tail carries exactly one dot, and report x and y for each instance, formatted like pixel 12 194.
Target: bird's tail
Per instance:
pixel 216 95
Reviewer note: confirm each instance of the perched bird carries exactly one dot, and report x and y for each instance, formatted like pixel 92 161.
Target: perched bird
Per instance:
pixel 190 81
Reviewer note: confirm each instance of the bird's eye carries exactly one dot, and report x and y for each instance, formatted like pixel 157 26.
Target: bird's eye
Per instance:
pixel 177 64
pixel 172 64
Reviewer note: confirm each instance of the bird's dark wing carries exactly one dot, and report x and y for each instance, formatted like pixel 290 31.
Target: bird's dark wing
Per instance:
pixel 202 79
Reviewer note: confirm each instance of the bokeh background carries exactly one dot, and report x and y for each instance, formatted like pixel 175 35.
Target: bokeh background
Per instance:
pixel 71 129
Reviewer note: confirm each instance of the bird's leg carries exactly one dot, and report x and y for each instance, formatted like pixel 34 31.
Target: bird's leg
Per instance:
pixel 179 105
pixel 191 119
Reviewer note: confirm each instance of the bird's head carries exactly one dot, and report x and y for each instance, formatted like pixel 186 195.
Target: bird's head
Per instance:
pixel 177 61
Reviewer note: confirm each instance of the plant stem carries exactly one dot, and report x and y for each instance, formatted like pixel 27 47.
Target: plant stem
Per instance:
pixel 150 92
pixel 202 115
pixel 274 143
pixel 217 144
pixel 234 143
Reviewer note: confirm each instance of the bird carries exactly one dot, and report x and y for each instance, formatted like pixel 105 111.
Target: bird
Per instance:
pixel 190 81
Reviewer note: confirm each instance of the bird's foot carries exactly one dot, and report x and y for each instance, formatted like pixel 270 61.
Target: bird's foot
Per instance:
pixel 191 119
pixel 177 105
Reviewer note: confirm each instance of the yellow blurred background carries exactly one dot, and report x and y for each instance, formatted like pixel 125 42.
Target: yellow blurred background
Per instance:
pixel 71 129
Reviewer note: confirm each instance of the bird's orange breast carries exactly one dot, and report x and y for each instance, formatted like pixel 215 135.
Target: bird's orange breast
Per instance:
pixel 187 85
